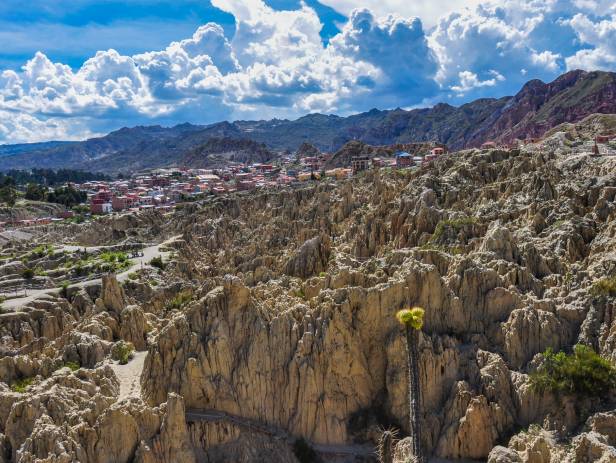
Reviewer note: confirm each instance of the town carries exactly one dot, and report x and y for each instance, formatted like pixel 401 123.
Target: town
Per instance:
pixel 164 188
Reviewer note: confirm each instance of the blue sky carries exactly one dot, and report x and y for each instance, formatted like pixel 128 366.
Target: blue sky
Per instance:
pixel 70 69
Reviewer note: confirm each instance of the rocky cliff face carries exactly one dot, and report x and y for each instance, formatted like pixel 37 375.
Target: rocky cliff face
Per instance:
pixel 274 321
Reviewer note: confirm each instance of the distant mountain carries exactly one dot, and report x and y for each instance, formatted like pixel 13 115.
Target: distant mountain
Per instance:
pixel 537 108
pixel 9 150
pixel 218 152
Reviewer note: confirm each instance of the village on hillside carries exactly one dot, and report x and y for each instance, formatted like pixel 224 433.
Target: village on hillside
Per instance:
pixel 165 188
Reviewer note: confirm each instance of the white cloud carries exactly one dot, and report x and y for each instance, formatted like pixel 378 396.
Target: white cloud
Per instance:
pixel 277 65
pixel 599 39
pixel 430 11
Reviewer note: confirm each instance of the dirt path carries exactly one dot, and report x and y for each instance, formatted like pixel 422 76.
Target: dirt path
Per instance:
pixel 129 376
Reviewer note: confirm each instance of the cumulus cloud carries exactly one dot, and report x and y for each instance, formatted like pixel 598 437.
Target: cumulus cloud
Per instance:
pixel 599 39
pixel 276 64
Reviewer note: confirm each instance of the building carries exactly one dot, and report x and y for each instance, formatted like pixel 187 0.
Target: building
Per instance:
pixel 121 203
pixel 602 139
pixel 404 160
pixel 489 145
pixel 360 163
pixel 438 151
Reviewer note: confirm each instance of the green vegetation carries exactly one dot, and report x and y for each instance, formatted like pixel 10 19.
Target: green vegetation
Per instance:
pixel 133 276
pixel 323 274
pixel 51 177
pixel 179 300
pixel 158 263
pixel 412 321
pixel 8 193
pixel 21 385
pixel 456 224
pixel 64 289
pixel 304 452
pixel 67 196
pixel 73 366
pixel 27 274
pixel 604 287
pixel 123 352
pixel 584 372
pixel 453 250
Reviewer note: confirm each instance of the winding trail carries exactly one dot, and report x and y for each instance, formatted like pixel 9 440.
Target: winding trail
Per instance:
pixel 328 450
pixel 129 376
pixel 148 254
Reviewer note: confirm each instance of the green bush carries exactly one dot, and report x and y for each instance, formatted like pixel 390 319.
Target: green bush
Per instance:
pixel 133 276
pixel 27 274
pixel 123 352
pixel 604 287
pixel 304 452
pixel 21 385
pixel 64 288
pixel 157 262
pixel 584 372
pixel 179 300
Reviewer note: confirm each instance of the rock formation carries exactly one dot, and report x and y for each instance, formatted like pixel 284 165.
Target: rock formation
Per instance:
pixel 272 329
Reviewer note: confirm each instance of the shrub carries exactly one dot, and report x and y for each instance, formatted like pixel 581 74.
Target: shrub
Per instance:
pixel 153 283
pixel 21 385
pixel 179 300
pixel 64 289
pixel 604 287
pixel 304 452
pixel 132 276
pixel 123 352
pixel 158 263
pixel 584 372
pixel 456 224
pixel 27 274
pixel 323 274
pixel 73 366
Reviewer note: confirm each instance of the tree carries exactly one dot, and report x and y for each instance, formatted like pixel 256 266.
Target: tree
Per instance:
pixel 412 321
pixel 8 195
pixel 35 192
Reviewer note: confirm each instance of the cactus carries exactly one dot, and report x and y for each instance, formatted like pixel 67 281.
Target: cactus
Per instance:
pixel 386 447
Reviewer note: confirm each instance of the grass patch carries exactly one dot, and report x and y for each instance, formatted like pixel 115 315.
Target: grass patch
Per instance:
pixel 584 372
pixel 604 287
pixel 21 385
pixel 73 366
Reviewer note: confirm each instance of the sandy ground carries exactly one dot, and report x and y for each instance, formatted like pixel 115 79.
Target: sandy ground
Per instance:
pixel 129 376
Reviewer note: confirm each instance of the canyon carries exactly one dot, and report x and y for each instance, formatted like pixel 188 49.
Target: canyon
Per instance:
pixel 270 327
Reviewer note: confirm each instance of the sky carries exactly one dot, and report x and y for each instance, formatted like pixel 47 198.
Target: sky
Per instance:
pixel 73 69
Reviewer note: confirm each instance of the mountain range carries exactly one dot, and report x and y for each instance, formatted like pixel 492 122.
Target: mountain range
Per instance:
pixel 535 109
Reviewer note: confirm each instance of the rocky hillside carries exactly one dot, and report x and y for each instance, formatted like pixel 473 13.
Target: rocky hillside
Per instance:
pixel 271 330
pixel 537 108
pixel 218 152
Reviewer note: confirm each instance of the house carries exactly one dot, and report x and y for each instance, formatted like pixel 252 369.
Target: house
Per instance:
pixel 120 203
pixel 438 151
pixel 602 139
pixel 404 160
pixel 360 163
